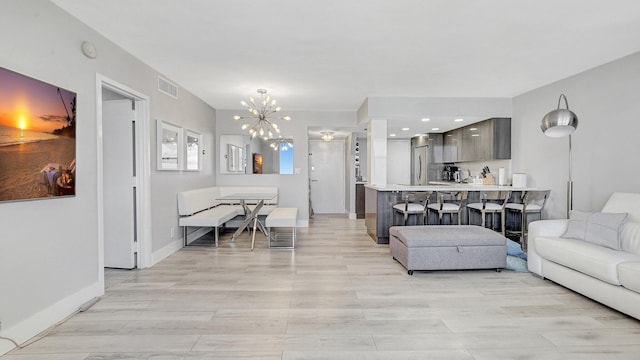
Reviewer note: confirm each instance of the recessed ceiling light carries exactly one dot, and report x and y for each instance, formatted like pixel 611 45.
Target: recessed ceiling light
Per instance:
pixel 417 134
pixel 392 135
pixel 426 119
pixel 459 120
pixel 473 129
pixel 435 129
pixel 475 134
pixel 405 129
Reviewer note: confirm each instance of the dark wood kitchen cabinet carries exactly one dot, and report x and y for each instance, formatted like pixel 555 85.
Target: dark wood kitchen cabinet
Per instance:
pixel 485 140
pixel 360 201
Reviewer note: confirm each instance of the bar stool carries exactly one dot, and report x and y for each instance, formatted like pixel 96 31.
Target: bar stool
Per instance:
pixel 533 202
pixel 449 202
pixel 414 204
pixel 493 202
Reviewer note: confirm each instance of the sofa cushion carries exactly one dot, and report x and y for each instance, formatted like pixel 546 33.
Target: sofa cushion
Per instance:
pixel 597 228
pixel 629 275
pixel 630 237
pixel 593 260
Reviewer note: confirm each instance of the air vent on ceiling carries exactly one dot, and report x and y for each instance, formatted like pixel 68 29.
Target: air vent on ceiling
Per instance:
pixel 167 87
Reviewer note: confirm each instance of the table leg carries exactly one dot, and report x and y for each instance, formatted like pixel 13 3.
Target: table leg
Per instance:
pixel 253 236
pixel 252 215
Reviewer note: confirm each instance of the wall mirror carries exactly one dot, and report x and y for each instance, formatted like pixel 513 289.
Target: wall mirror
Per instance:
pixel 193 142
pixel 240 154
pixel 169 146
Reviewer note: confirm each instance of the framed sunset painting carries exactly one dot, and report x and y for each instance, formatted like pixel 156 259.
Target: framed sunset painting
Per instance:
pixel 37 139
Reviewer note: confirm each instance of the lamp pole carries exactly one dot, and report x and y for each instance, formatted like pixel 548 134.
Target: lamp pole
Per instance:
pixel 569 184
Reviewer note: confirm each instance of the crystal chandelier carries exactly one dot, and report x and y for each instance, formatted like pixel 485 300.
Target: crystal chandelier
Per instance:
pixel 327 135
pixel 281 143
pixel 260 112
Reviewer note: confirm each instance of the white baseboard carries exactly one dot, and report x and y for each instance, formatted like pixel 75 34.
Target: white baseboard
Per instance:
pixel 166 251
pixel 47 317
pixel 176 245
pixel 353 216
pixel 302 223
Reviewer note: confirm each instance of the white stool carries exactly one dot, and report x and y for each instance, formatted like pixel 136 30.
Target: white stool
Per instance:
pixel 280 218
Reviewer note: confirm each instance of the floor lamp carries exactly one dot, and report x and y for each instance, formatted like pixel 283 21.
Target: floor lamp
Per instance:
pixel 561 123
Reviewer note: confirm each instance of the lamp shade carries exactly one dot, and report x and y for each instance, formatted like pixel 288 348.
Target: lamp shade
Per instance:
pixel 559 122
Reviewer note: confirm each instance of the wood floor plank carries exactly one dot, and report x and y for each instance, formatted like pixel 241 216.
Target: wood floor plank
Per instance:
pixel 338 295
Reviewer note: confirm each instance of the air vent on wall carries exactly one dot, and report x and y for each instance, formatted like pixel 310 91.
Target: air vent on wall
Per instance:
pixel 167 87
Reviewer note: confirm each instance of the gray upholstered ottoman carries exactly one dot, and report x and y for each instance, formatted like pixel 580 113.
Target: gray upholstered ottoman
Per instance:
pixel 447 247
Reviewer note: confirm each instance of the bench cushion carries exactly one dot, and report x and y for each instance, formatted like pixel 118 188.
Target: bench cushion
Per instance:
pixel 212 217
pixel 446 235
pixel 282 217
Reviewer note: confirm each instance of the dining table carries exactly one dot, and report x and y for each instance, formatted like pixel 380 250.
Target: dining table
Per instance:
pixel 245 199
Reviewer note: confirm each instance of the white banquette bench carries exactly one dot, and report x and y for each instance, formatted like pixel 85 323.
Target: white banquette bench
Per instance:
pixel 201 207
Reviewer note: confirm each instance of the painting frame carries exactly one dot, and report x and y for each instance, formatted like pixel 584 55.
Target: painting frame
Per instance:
pixel 169 151
pixel 37 139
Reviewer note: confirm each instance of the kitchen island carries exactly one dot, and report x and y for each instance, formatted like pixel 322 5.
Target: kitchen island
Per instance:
pixel 379 201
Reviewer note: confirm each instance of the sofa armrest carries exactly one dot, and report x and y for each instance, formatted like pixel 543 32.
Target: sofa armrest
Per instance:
pixel 542 228
pixel 548 228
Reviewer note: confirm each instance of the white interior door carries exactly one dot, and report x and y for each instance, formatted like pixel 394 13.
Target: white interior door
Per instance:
pixel 327 176
pixel 118 133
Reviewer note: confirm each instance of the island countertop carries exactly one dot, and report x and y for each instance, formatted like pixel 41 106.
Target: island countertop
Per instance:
pixel 442 186
pixel 379 200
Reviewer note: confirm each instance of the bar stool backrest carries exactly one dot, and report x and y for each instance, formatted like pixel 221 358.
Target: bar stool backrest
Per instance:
pixel 498 197
pixel 452 196
pixel 535 197
pixel 421 197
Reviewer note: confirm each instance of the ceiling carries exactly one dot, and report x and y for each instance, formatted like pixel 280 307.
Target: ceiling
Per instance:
pixel 333 54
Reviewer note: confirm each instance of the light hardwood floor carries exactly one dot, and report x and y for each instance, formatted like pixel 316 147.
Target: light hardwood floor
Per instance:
pixel 337 296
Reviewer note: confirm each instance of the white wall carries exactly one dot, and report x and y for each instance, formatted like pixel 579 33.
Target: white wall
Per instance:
pixel 293 189
pixel 399 164
pixel 605 146
pixel 49 248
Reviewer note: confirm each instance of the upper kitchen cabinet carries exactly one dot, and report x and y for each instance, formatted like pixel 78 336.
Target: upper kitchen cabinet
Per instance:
pixel 452 146
pixel 486 140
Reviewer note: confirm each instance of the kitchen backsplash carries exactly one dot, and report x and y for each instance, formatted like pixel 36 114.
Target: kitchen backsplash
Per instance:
pixel 476 168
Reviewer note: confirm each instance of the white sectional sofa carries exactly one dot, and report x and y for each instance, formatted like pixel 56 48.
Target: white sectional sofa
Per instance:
pixel 201 207
pixel 607 275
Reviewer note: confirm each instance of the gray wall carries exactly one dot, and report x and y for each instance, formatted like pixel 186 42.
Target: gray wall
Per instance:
pixel 49 248
pixel 605 146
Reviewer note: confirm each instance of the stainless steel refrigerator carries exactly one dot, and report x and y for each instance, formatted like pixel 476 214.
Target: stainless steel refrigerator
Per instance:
pixel 426 158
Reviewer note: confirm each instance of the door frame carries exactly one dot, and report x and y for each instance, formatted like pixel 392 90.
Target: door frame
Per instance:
pixel 143 171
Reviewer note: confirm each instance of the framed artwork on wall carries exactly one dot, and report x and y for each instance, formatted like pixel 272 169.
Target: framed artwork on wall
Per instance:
pixel 170 149
pixel 37 139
